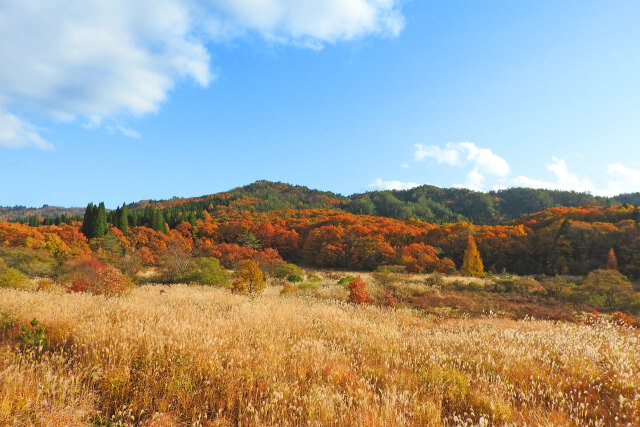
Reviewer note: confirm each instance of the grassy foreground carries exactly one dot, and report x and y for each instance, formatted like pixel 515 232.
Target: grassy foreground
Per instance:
pixel 194 355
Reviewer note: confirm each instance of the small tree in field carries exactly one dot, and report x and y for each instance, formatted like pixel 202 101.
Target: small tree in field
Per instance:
pixel 472 263
pixel 358 293
pixel 249 278
pixel 612 261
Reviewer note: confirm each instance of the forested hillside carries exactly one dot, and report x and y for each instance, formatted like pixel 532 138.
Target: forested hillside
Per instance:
pixel 426 203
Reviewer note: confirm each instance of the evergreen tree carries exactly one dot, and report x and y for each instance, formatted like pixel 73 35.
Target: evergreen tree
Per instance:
pixel 89 221
pixel 472 263
pixel 34 221
pixel 249 240
pixel 158 223
pixel 123 219
pixel 94 223
pixel 101 221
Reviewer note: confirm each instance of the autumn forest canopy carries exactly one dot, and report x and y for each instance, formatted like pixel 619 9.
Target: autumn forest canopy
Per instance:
pixel 522 231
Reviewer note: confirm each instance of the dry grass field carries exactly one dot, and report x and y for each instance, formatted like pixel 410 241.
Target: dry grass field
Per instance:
pixel 190 355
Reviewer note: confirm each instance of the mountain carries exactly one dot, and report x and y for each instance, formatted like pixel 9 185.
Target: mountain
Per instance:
pixel 427 203
pixel 13 213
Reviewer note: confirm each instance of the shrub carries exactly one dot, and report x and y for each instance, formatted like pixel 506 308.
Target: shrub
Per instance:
pixel 46 285
pixel 346 280
pixel 314 278
pixel 282 270
pixel 294 278
pixel 289 289
pixel 515 284
pixel 206 271
pixel 305 286
pixel 90 275
pixel 384 276
pixel 13 278
pixel 624 319
pixel 358 293
pixel 435 280
pixel 389 300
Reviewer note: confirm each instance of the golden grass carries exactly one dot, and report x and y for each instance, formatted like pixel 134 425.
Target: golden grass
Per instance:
pixel 194 355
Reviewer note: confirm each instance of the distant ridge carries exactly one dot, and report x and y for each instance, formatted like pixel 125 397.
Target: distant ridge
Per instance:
pixel 427 203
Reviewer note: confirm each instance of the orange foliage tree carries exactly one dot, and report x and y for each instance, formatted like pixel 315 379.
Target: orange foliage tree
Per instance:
pixel 612 261
pixel 358 293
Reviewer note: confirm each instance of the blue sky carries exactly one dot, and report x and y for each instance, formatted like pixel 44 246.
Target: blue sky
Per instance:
pixel 123 102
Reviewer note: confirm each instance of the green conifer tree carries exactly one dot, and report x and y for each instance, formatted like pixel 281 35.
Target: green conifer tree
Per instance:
pixel 123 219
pixel 89 222
pixel 159 223
pixel 101 221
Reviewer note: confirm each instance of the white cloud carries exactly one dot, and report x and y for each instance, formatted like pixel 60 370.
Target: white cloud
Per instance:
pixel 306 22
pixel 621 179
pixel 15 133
pixel 565 180
pixel 482 161
pixel 98 60
pixel 624 179
pixel 379 184
pixel 404 165
pixel 450 155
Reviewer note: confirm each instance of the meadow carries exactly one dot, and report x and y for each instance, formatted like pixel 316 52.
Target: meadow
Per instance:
pixel 196 355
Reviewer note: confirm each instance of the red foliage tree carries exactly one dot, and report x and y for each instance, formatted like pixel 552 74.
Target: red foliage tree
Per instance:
pixel 358 293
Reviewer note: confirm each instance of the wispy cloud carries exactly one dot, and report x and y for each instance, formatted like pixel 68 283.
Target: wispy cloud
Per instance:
pixel 131 133
pixel 379 184
pixel 97 60
pixel 15 133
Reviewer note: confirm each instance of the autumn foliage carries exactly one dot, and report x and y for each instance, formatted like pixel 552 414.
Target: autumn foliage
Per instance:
pixel 612 261
pixel 472 263
pixel 358 293
pixel 90 275
pixel 249 279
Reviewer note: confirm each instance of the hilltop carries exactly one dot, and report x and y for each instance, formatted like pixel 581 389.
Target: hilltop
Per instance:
pixel 427 203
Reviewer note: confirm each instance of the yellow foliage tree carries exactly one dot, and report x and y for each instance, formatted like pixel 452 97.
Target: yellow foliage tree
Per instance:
pixel 249 278
pixel 472 263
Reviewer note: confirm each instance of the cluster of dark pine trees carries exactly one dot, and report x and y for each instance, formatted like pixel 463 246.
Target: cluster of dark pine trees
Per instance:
pixel 96 219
